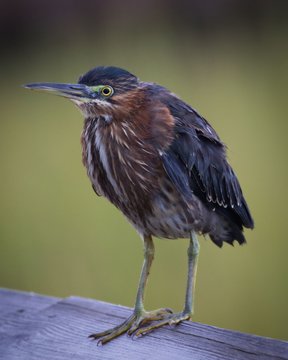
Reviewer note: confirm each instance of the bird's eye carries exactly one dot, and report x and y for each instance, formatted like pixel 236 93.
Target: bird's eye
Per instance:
pixel 107 91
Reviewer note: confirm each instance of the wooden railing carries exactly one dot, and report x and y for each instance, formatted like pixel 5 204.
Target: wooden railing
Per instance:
pixel 46 328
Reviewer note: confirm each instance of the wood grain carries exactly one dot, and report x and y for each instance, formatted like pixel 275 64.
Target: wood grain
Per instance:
pixel 39 327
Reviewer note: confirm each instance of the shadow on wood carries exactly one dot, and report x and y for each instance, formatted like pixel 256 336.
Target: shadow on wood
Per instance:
pixel 40 327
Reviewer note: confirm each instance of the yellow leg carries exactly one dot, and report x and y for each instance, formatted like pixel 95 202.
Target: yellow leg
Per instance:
pixel 139 316
pixel 186 314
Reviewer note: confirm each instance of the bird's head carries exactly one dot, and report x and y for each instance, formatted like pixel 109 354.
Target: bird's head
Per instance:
pixel 102 91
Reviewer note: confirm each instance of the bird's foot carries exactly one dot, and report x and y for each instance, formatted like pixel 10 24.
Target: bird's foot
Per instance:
pixel 133 324
pixel 169 319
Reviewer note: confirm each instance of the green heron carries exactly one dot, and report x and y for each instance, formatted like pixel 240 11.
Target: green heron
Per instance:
pixel 161 163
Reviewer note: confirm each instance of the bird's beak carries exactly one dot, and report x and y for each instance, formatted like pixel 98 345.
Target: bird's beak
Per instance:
pixel 71 91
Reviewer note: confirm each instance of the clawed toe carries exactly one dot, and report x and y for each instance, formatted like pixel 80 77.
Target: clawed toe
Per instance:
pixel 133 326
pixel 148 317
pixel 110 334
pixel 172 319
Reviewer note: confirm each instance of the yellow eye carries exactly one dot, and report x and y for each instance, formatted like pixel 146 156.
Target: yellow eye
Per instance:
pixel 107 91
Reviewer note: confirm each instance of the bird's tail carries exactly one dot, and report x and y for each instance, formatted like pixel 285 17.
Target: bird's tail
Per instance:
pixel 227 232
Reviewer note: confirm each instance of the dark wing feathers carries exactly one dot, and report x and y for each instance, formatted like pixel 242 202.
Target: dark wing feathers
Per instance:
pixel 203 167
pixel 177 173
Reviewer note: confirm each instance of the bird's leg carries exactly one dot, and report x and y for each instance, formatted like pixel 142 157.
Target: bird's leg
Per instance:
pixel 139 316
pixel 193 253
pixel 186 314
pixel 149 251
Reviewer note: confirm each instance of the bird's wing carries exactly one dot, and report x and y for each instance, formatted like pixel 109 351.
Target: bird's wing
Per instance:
pixel 203 167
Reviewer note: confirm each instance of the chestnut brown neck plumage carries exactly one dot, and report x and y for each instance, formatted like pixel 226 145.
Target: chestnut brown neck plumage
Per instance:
pixel 121 145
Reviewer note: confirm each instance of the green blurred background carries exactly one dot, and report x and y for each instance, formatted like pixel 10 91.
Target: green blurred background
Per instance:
pixel 227 59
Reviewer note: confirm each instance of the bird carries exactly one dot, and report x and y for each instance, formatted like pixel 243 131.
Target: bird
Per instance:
pixel 163 166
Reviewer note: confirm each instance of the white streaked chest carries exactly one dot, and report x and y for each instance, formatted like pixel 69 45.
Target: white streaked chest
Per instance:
pixel 105 160
pixel 98 158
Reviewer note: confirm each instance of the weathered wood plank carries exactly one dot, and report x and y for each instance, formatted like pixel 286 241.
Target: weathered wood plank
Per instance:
pixel 60 331
pixel 245 342
pixel 13 300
